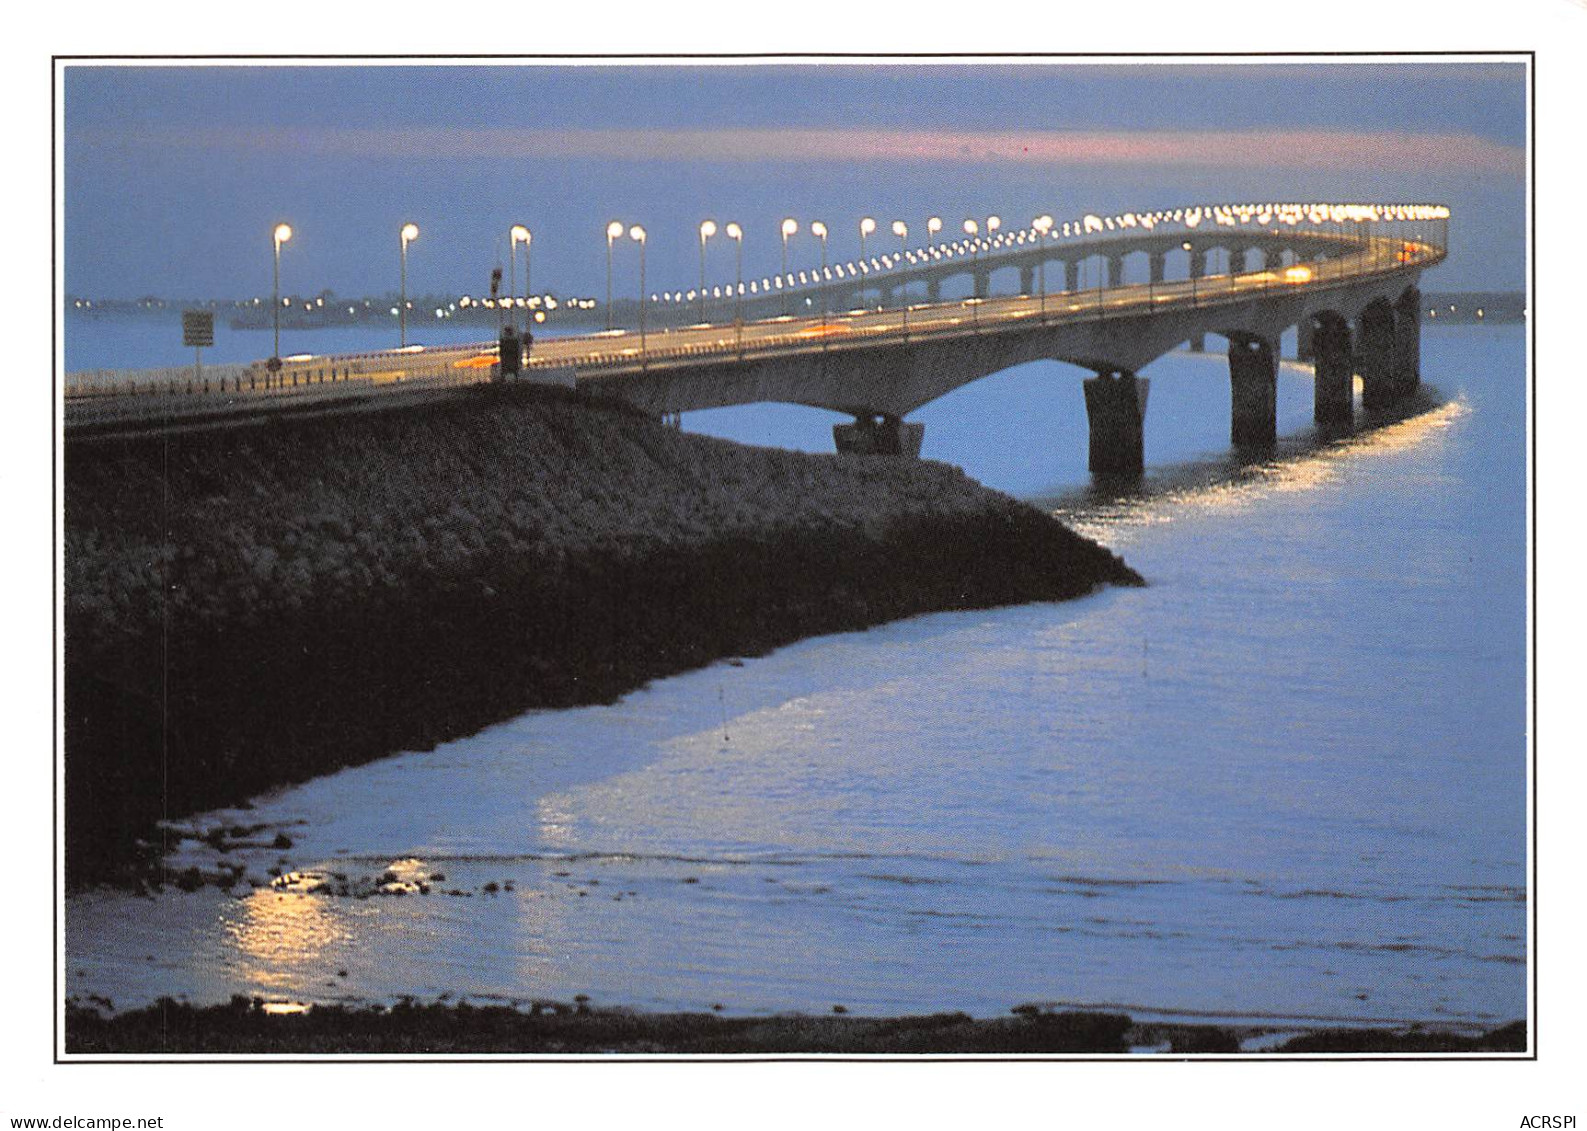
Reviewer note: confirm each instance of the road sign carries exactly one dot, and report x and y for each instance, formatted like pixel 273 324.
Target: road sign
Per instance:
pixel 198 327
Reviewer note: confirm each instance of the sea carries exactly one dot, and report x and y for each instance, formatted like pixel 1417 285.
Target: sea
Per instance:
pixel 1286 782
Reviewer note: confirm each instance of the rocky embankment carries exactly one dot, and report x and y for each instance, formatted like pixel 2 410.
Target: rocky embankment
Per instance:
pixel 252 606
pixel 562 1028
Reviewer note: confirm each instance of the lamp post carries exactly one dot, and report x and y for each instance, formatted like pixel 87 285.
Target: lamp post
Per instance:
pixel 409 233
pixel 933 226
pixel 867 226
pixel 614 231
pixel 819 229
pixel 282 233
pixel 973 230
pixel 707 230
pixel 901 230
pixel 514 234
pixel 736 234
pixel 528 275
pixel 789 227
pixel 1043 225
pixel 1192 269
pixel 637 234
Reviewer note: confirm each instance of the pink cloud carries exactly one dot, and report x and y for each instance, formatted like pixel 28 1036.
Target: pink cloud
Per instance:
pixel 1315 149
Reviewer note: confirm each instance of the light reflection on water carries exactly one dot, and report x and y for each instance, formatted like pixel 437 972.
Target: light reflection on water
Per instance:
pixel 1232 487
pixel 1286 778
pixel 277 937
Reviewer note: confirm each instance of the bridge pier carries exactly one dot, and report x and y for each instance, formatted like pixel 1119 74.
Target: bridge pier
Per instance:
pixel 1333 391
pixel 1305 336
pixel 878 434
pixel 1253 379
pixel 1071 274
pixel 982 282
pixel 1198 270
pixel 1027 280
pixel 1375 354
pixel 1116 407
pixel 1115 270
pixel 934 290
pixel 1154 265
pixel 1408 342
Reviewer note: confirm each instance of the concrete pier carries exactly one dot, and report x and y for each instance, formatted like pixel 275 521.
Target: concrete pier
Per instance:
pixel 1155 262
pixel 1407 370
pixel 1116 406
pixel 1253 379
pixel 1071 275
pixel 1375 354
pixel 1333 394
pixel 1027 280
pixel 1305 333
pixel 879 435
pixel 1198 270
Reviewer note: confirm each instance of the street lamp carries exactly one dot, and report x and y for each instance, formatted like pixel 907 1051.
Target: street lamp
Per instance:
pixel 409 233
pixel 933 226
pixel 820 229
pixel 528 275
pixel 736 234
pixel 867 226
pixel 1043 225
pixel 973 230
pixel 901 230
pixel 282 233
pixel 789 227
pixel 707 230
pixel 637 234
pixel 516 233
pixel 614 231
pixel 1186 246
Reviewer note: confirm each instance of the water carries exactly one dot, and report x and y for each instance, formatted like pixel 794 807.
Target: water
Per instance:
pixel 1287 779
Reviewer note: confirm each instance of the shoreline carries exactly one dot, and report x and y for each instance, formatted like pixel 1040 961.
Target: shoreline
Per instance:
pixel 554 1028
pixel 250 607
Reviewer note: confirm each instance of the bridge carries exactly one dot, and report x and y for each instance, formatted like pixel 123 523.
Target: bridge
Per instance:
pixel 854 339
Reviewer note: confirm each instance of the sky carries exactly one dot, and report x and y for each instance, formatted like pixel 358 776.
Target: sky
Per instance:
pixel 175 175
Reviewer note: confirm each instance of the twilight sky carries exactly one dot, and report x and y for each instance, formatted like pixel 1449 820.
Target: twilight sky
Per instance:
pixel 175 175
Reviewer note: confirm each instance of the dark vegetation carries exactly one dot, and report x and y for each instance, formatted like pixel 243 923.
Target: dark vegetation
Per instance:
pixel 253 606
pixel 1508 1038
pixel 556 1027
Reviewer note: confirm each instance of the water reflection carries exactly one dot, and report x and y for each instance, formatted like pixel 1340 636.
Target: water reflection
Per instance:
pixel 279 934
pixel 1235 482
